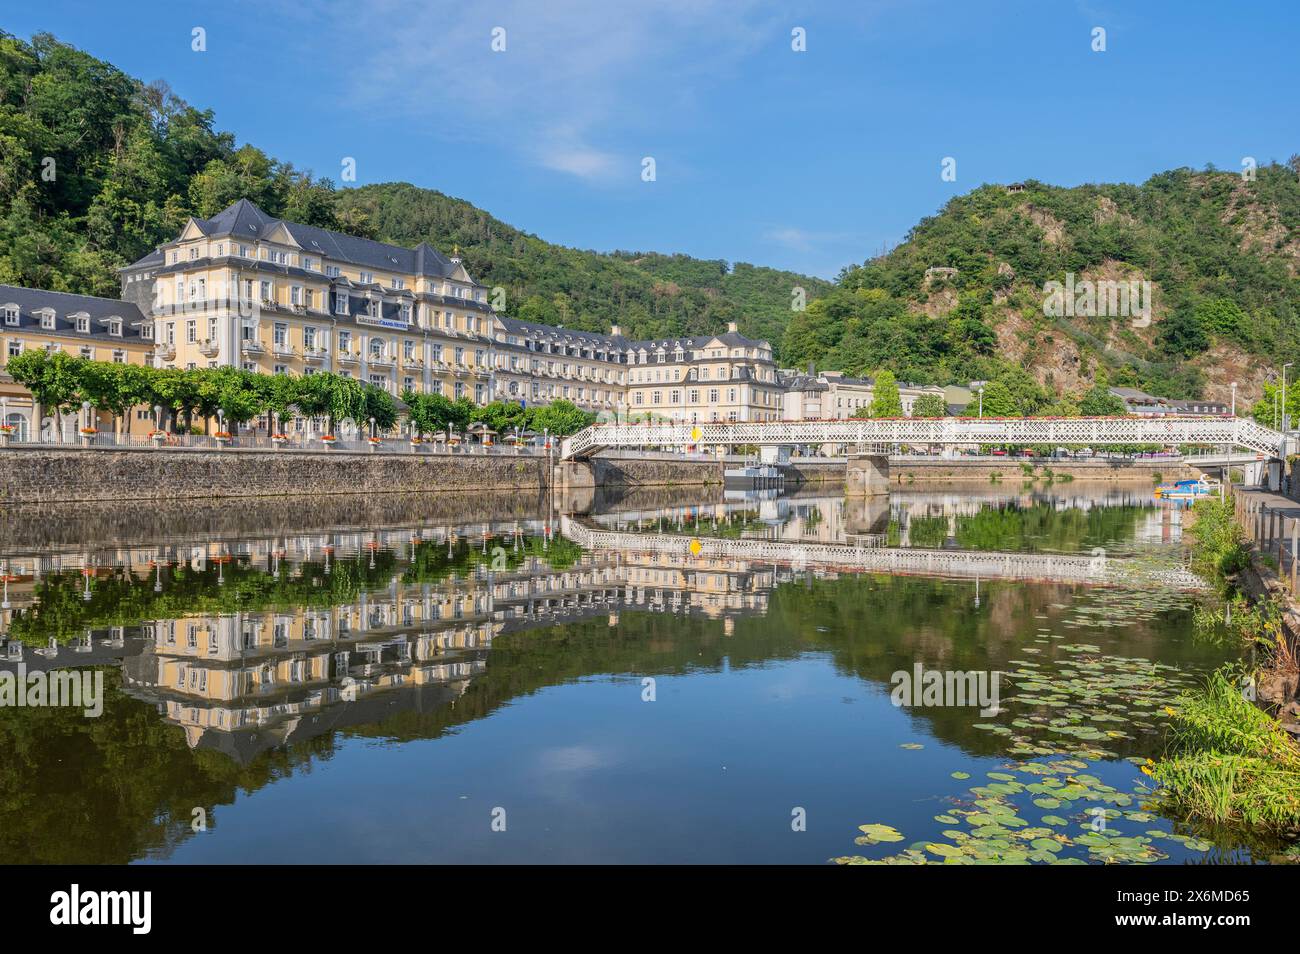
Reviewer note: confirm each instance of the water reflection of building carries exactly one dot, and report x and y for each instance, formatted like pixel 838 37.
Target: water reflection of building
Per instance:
pixel 420 624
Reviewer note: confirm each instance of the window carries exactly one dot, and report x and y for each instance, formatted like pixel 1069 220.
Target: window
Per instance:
pixel 47 320
pixel 83 324
pixel 406 313
pixel 280 369
pixel 15 348
pixel 11 315
pixel 367 278
pixel 309 337
pixel 86 352
pixel 408 349
pixel 345 340
pixel 194 252
pixel 295 294
pixel 280 334
pixel 268 291
pixel 340 303
pixel 398 284
pixel 372 308
pixel 191 331
pixel 332 271
pixel 115 327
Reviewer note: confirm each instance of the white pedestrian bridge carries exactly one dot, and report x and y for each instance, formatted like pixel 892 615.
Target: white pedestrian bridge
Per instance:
pixel 1093 568
pixel 1086 431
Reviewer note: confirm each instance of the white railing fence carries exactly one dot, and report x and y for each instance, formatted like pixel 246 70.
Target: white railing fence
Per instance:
pixel 1090 431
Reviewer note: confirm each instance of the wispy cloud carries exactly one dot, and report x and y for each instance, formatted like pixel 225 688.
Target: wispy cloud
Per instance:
pixel 583 87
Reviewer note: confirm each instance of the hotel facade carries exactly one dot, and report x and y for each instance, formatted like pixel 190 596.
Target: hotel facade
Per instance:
pixel 245 289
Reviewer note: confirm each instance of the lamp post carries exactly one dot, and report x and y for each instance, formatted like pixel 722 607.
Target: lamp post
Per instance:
pixel 1234 398
pixel 1284 367
pixel 980 392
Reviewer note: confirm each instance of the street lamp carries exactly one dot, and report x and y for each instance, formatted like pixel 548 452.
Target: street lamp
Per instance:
pixel 1234 398
pixel 980 392
pixel 1283 419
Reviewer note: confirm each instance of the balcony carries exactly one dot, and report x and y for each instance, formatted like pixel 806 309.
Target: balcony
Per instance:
pixel 413 362
pixel 283 349
pixel 251 346
pixel 315 354
pixel 209 347
pixel 166 352
pixel 347 357
pixel 380 360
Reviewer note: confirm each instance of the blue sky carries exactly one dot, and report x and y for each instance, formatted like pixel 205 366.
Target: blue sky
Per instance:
pixel 806 160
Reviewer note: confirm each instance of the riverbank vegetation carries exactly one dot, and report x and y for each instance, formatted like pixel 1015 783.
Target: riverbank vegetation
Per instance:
pixel 1230 762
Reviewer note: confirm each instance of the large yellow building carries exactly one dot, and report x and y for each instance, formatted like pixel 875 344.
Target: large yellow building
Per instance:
pixel 98 329
pixel 248 290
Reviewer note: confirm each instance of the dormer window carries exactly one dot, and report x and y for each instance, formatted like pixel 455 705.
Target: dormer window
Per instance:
pixel 11 315
pixel 194 252
pixel 47 318
pixel 115 327
pixel 367 278
pixel 83 324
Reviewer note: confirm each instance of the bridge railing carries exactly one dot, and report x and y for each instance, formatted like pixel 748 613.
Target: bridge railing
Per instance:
pixel 951 430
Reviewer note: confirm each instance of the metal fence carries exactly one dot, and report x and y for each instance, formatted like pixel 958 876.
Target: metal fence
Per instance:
pixel 1273 526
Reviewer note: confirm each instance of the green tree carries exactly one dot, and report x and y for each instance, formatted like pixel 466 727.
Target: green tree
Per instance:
pixel 54 380
pixel 929 405
pixel 1099 402
pixel 560 418
pixel 885 399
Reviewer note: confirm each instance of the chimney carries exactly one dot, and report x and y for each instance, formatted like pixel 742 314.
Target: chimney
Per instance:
pixel 812 371
pixel 616 331
pixel 731 327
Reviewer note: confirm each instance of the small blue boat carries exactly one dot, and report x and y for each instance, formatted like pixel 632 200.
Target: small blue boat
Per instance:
pixel 1192 489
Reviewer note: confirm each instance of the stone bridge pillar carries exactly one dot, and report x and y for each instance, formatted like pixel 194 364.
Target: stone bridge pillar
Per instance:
pixel 866 475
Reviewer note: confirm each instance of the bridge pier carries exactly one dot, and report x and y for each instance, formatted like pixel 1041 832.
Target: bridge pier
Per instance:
pixel 866 475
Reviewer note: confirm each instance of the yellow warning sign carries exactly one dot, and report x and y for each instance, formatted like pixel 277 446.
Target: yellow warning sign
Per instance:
pixel 696 434
pixel 696 547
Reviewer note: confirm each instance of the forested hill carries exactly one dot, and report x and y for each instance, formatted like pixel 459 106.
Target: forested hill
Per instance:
pixel 97 168
pixel 649 294
pixel 1221 254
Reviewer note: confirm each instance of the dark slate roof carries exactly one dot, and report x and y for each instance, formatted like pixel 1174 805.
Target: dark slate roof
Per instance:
pixel 30 300
pixel 245 220
pixel 532 330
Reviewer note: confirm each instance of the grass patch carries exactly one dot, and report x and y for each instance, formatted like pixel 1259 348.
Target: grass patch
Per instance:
pixel 1229 762
pixel 1218 549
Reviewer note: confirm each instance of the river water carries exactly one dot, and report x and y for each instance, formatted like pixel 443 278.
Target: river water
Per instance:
pixel 453 680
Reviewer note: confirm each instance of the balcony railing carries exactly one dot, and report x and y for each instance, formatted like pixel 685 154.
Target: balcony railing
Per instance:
pixel 166 352
pixel 315 354
pixel 251 346
pixel 348 357
pixel 380 360
pixel 209 347
pixel 283 349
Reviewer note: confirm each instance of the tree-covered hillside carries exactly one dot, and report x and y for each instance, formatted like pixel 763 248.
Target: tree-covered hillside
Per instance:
pixel 97 168
pixel 1221 253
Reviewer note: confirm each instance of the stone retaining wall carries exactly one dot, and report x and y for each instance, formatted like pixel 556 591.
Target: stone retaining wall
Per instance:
pixel 50 475
pixel 58 475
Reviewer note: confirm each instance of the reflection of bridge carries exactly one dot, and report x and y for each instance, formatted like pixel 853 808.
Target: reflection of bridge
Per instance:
pixel 1094 568
pixel 1091 431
